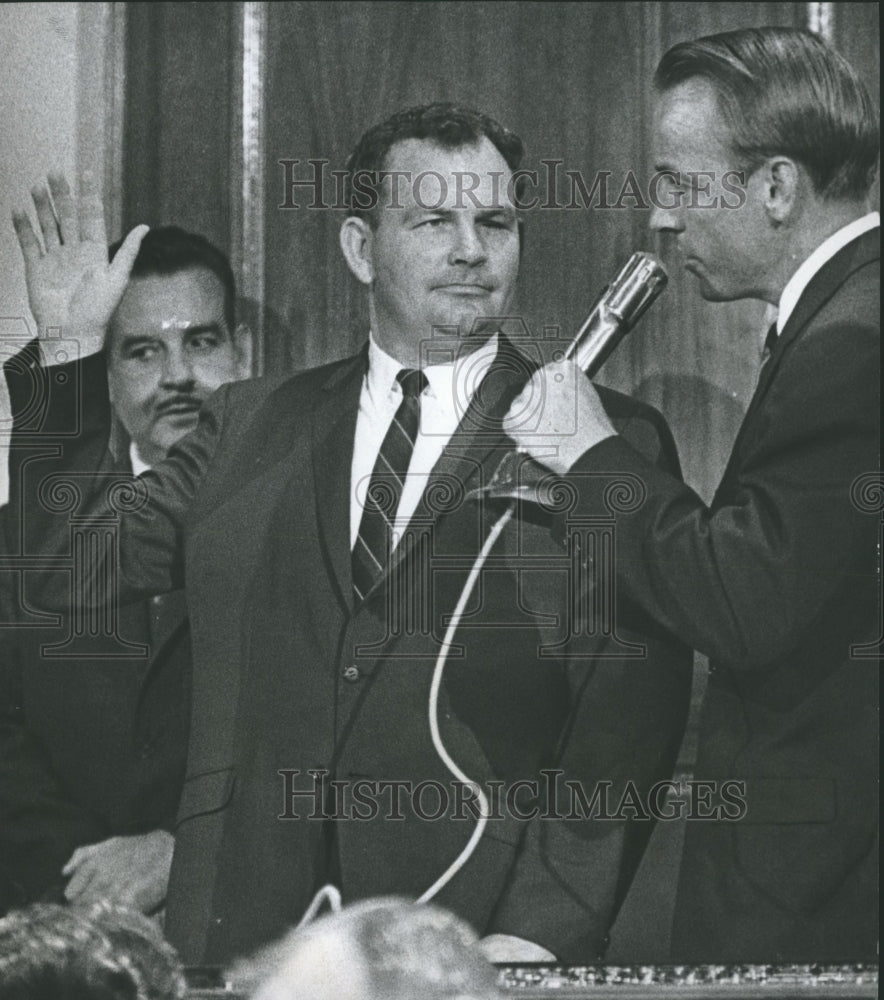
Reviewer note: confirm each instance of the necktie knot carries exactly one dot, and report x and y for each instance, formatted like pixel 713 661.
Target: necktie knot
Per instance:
pixel 412 381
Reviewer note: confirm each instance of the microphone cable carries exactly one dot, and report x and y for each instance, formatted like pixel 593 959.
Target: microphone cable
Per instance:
pixel 435 685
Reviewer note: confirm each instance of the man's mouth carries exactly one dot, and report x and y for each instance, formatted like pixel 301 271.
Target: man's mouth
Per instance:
pixel 464 288
pixel 179 406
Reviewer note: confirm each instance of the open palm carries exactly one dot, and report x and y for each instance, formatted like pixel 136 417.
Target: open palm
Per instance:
pixel 72 289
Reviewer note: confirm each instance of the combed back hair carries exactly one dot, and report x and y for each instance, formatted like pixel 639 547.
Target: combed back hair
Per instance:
pixel 443 124
pixel 783 91
pixel 168 250
pixel 400 949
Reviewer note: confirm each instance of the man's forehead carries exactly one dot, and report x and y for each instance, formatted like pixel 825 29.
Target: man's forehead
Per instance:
pixel 688 120
pixel 195 281
pixel 171 301
pixel 424 153
pixel 429 174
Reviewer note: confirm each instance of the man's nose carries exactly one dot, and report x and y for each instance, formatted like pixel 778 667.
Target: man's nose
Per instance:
pixel 177 369
pixel 666 219
pixel 469 248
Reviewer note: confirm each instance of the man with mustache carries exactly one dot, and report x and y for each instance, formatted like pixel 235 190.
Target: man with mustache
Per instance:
pixel 778 579
pixel 94 743
pixel 324 529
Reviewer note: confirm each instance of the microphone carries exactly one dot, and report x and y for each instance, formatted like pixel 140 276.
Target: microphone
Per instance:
pixel 620 306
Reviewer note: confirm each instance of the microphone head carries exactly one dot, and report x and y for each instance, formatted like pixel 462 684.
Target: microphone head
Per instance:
pixel 620 307
pixel 637 285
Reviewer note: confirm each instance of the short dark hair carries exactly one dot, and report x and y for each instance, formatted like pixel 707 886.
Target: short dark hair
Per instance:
pixel 167 250
pixel 784 91
pixel 101 952
pixel 447 125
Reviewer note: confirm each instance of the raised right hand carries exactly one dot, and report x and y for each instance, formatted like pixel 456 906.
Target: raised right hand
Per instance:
pixel 72 289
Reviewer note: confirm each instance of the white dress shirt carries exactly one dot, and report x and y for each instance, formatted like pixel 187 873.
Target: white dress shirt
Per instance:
pixel 823 253
pixel 138 464
pixel 443 403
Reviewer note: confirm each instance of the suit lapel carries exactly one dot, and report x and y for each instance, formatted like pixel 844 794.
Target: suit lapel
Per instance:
pixel 824 284
pixel 334 430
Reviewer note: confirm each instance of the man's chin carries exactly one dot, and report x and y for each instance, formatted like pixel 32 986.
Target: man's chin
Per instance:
pixel 708 291
pixel 473 326
pixel 171 428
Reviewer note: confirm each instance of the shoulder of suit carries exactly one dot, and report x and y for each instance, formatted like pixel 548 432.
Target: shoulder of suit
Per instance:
pixel 303 385
pixel 619 406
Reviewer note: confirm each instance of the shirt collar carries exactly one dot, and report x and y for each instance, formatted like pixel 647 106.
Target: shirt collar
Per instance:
pixel 452 383
pixel 138 463
pixel 823 253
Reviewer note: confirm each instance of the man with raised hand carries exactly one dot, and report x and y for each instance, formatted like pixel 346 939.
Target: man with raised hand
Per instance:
pixel 94 748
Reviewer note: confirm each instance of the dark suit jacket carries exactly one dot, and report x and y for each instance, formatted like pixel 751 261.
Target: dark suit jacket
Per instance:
pixel 253 509
pixel 94 740
pixel 776 581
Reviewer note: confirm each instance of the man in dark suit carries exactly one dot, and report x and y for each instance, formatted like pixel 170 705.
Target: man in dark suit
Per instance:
pixel 95 726
pixel 318 616
pixel 776 579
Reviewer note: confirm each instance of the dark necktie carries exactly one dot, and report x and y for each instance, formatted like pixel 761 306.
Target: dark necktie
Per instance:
pixel 769 343
pixel 374 541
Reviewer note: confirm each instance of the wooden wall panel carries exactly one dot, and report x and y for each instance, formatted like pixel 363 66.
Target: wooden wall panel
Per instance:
pixel 572 78
pixel 181 65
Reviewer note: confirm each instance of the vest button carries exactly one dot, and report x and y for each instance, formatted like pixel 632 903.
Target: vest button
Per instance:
pixel 351 673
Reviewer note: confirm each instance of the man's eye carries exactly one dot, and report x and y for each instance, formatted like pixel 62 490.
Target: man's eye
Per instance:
pixel 673 190
pixel 499 223
pixel 432 223
pixel 203 342
pixel 146 353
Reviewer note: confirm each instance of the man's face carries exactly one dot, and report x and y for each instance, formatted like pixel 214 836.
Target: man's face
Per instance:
pixel 169 349
pixel 450 255
pixel 725 247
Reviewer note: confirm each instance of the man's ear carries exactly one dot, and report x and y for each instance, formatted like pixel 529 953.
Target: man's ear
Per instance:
pixel 356 238
pixel 243 345
pixel 781 177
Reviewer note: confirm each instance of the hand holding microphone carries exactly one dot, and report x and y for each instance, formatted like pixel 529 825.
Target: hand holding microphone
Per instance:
pixel 570 421
pixel 558 415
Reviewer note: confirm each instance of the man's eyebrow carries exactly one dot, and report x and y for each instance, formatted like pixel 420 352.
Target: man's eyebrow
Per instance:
pixel 137 340
pixel 412 211
pixel 507 212
pixel 205 328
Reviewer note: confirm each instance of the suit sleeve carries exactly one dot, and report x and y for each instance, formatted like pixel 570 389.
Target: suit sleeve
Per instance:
pixel 148 514
pixel 39 824
pixel 625 726
pixel 742 580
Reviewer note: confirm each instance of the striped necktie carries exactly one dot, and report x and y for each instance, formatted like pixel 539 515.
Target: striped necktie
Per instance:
pixel 374 541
